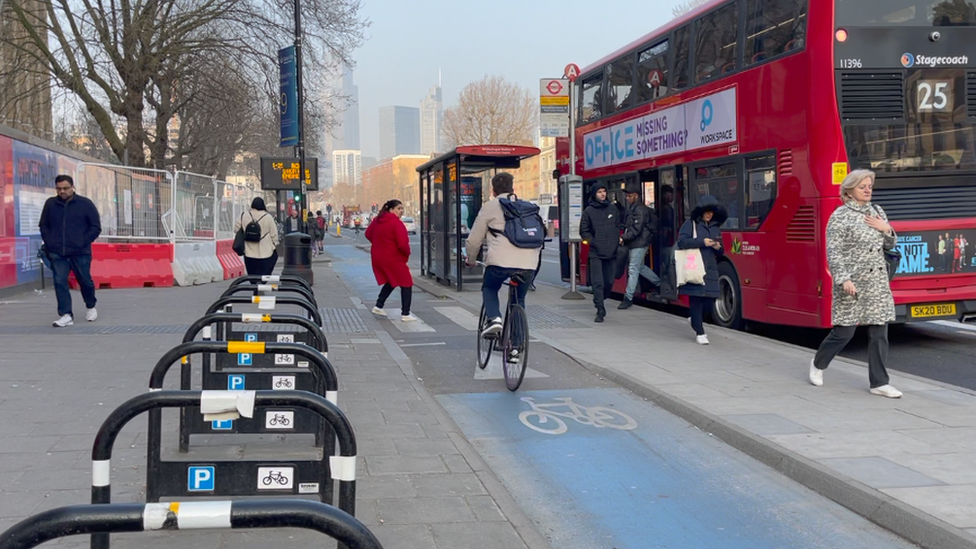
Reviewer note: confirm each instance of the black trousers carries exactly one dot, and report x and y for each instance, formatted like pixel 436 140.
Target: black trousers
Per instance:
pixel 840 336
pixel 698 306
pixel 601 279
pixel 261 266
pixel 406 297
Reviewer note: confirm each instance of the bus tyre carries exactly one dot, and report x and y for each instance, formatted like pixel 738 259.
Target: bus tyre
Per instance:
pixel 727 311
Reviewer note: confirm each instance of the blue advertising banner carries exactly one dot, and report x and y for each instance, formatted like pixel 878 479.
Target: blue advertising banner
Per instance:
pixel 289 96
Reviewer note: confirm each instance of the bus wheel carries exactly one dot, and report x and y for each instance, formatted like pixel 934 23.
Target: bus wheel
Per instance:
pixel 728 306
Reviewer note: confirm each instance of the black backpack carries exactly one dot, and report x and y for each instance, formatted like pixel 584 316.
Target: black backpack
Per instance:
pixel 524 227
pixel 252 232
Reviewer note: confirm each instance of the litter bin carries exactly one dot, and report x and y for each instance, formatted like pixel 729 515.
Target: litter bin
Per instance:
pixel 298 256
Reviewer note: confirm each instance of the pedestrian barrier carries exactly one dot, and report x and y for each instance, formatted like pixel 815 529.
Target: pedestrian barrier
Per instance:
pixel 264 289
pixel 196 263
pixel 102 520
pixel 272 279
pixel 130 266
pixel 268 303
pixel 231 263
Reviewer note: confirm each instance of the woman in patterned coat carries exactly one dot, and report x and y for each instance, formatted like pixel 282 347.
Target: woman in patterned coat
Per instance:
pixel 857 235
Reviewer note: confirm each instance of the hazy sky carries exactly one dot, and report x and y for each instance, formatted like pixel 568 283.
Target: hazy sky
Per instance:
pixel 522 40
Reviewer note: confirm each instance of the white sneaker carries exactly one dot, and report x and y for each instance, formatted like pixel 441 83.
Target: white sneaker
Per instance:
pixel 91 315
pixel 702 339
pixel 408 318
pixel 886 391
pixel 378 312
pixel 494 326
pixel 513 357
pixel 816 375
pixel 65 320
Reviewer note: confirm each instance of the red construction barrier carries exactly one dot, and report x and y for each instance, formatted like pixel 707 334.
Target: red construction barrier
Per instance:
pixel 231 262
pixel 130 266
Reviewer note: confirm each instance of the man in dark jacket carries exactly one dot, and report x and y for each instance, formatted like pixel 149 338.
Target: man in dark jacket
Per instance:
pixel 600 228
pixel 69 224
pixel 638 235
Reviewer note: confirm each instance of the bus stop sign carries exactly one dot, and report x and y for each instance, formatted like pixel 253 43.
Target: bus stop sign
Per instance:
pixel 571 72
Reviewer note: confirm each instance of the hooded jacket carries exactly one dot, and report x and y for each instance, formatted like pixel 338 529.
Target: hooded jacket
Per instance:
pixel 600 227
pixel 390 250
pixel 639 226
pixel 68 227
pixel 687 241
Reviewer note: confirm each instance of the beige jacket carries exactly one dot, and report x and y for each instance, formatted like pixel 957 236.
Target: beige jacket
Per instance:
pixel 501 252
pixel 269 234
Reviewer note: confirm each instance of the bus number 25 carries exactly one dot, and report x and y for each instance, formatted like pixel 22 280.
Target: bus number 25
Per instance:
pixel 933 95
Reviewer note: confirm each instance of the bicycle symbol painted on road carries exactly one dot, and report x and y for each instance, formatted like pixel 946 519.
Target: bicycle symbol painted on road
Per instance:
pixel 544 419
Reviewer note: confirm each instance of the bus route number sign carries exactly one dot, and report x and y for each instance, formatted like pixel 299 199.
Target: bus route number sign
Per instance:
pixel 934 95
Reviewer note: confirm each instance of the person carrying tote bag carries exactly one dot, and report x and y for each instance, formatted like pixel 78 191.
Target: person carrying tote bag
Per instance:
pixel 699 244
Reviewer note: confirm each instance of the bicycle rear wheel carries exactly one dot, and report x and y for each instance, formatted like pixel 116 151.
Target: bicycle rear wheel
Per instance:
pixel 485 344
pixel 516 355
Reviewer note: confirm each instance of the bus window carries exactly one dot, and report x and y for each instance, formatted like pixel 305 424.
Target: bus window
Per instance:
pixel 652 73
pixel 722 182
pixel 761 189
pixel 773 27
pixel 681 57
pixel 905 13
pixel 591 100
pixel 620 77
pixel 716 34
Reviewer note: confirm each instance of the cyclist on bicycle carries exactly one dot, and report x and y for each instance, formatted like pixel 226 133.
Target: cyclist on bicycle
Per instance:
pixel 503 259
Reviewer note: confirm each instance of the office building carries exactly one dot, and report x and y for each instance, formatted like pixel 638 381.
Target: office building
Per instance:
pixel 347 167
pixel 399 131
pixel 431 118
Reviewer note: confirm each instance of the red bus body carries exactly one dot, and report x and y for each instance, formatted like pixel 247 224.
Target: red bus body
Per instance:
pixel 787 107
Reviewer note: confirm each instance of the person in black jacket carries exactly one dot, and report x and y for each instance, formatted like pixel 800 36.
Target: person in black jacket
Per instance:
pixel 69 224
pixel 600 228
pixel 638 235
pixel 703 231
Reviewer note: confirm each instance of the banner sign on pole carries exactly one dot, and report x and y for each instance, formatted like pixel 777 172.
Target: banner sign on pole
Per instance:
pixel 287 72
pixel 554 107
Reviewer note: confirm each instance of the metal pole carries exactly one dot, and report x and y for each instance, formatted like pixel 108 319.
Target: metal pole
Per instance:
pixel 571 245
pixel 300 148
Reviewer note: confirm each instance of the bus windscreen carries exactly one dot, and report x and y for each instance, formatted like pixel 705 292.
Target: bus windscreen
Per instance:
pixel 905 13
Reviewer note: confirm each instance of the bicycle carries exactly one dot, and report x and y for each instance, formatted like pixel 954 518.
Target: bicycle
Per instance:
pixel 514 339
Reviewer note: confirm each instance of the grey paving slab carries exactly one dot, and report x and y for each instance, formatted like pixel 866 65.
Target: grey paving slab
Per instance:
pixel 398 465
pixel 431 510
pixel 492 535
pixel 880 473
pixel 767 424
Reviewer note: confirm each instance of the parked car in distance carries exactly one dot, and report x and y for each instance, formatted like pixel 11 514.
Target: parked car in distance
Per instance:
pixel 410 224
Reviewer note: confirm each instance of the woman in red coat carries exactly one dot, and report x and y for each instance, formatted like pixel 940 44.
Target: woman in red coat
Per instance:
pixel 390 252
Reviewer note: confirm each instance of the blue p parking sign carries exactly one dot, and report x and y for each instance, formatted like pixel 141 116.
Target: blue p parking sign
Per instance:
pixel 244 359
pixel 235 382
pixel 200 478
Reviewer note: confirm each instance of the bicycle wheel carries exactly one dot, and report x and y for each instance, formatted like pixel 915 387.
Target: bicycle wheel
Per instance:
pixel 485 344
pixel 516 340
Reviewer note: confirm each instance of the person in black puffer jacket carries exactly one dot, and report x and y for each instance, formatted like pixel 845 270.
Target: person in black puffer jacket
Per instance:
pixel 703 231
pixel 600 228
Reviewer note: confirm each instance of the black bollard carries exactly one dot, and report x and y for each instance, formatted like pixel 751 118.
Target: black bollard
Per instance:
pixel 298 256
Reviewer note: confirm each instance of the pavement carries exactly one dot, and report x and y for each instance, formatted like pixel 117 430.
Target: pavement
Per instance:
pixel 909 465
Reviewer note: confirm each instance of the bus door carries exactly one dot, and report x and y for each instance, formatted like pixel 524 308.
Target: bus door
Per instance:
pixel 617 197
pixel 669 190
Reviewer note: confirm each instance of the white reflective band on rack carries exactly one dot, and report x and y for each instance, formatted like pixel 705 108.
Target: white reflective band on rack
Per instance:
pixel 343 467
pixel 221 405
pixel 266 302
pixel 203 514
pixel 101 472
pixel 251 317
pixel 152 389
pixel 332 396
pixel 267 287
pixel 270 278
pixel 206 332
pixel 154 516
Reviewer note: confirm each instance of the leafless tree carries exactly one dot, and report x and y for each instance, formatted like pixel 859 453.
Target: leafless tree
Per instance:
pixel 492 110
pixel 144 62
pixel 686 6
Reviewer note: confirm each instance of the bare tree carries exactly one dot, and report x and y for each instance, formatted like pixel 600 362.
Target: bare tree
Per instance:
pixel 492 110
pixel 140 62
pixel 686 6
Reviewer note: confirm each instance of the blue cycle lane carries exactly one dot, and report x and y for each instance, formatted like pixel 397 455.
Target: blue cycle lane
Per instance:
pixel 601 468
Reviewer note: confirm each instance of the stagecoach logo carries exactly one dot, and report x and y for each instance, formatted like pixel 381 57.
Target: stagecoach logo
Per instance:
pixel 908 60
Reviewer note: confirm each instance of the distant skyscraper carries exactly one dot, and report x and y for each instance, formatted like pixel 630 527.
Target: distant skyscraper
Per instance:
pixel 350 118
pixel 431 117
pixel 399 131
pixel 343 94
pixel 347 167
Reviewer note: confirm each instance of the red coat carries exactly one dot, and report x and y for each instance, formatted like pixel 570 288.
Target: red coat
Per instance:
pixel 390 250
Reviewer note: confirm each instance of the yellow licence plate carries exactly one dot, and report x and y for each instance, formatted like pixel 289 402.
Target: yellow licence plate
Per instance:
pixel 941 309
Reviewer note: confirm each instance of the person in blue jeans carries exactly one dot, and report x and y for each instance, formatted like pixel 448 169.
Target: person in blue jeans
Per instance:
pixel 69 224
pixel 638 235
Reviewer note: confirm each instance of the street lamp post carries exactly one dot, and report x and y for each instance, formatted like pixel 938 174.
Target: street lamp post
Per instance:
pixel 299 92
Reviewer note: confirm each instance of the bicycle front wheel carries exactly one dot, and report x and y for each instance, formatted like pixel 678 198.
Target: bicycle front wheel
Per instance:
pixel 516 355
pixel 485 344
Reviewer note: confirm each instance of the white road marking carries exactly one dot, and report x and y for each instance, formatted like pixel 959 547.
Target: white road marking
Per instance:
pixel 460 316
pixel 494 369
pixel 415 326
pixel 423 344
pixel 954 324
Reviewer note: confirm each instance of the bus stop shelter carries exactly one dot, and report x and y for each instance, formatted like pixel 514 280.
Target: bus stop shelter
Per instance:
pixel 453 187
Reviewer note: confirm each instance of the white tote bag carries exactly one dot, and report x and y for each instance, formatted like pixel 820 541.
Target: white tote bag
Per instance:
pixel 688 265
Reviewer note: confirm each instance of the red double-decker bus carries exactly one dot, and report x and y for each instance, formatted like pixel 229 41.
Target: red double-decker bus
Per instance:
pixel 766 104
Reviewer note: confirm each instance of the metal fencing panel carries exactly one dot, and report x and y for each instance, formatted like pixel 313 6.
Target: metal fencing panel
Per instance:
pixel 234 201
pixel 132 202
pixel 194 207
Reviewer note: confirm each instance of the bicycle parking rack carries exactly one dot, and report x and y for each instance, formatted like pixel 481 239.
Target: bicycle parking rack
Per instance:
pixel 220 477
pixel 322 370
pixel 214 377
pixel 271 279
pixel 266 302
pixel 259 288
pixel 102 520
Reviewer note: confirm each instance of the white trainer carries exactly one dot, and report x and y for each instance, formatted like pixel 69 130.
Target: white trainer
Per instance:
pixel 816 375
pixel 408 318
pixel 494 326
pixel 378 312
pixel 513 357
pixel 65 320
pixel 702 339
pixel 91 315
pixel 886 391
